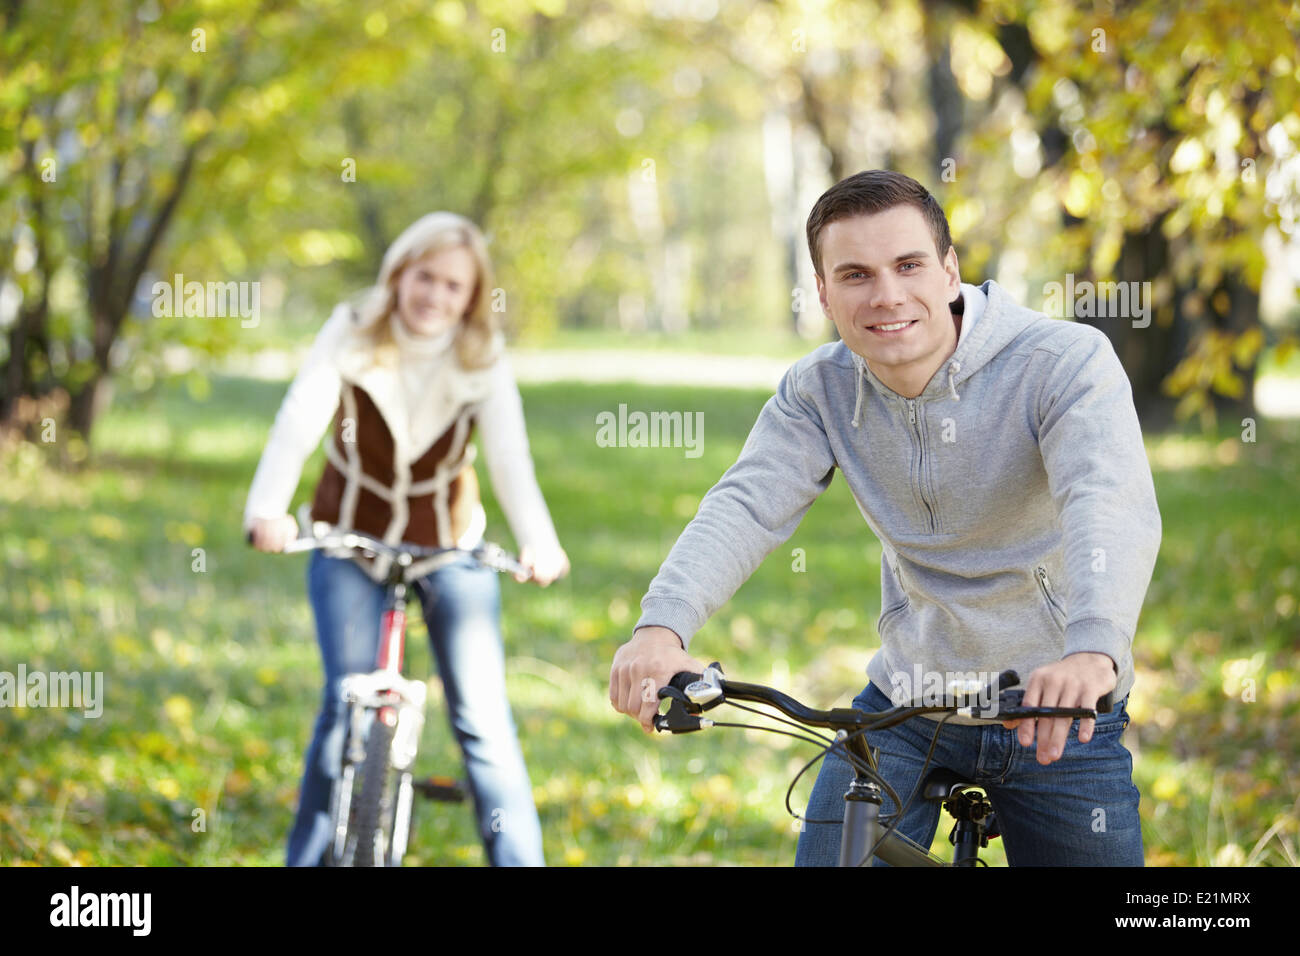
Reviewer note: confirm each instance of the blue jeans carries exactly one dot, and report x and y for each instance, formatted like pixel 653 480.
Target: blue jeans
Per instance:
pixel 462 609
pixel 1079 810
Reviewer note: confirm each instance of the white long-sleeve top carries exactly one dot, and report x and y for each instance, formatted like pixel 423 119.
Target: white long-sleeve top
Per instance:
pixel 419 402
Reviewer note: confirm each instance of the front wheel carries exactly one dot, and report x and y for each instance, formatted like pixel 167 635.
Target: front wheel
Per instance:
pixel 371 839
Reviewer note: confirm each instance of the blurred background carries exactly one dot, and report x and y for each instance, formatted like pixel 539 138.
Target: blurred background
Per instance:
pixel 643 169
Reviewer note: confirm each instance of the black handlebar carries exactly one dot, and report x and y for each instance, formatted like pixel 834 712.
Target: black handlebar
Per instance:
pixel 689 701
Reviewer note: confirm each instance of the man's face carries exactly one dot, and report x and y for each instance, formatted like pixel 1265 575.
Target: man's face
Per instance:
pixel 882 270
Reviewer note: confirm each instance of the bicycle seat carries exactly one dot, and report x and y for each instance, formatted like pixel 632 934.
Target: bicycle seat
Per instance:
pixel 940 783
pixel 949 788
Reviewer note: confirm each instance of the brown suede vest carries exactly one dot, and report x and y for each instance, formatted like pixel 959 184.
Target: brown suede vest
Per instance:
pixel 430 504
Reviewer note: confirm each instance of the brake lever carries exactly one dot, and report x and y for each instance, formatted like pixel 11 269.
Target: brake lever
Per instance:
pixel 683 714
pixel 668 691
pixel 679 720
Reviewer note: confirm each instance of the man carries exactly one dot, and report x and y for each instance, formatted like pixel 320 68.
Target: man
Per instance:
pixel 997 456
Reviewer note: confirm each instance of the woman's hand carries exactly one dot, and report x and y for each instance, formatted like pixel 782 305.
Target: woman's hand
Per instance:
pixel 272 534
pixel 550 566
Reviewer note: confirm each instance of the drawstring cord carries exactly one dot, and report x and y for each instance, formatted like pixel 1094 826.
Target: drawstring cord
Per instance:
pixel 953 369
pixel 857 404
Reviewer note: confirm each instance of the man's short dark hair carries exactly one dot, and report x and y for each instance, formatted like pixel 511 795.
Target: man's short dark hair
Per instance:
pixel 869 192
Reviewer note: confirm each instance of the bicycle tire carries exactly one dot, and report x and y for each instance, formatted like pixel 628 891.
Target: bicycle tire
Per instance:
pixel 373 820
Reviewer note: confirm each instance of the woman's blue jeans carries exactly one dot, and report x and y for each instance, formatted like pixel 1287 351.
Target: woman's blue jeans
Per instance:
pixel 462 609
pixel 1079 810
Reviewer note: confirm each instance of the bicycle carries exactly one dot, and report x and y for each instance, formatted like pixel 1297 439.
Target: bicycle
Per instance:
pixel 385 713
pixel 865 833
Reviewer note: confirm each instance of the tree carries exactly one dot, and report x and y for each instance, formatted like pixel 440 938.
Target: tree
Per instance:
pixel 109 111
pixel 1153 128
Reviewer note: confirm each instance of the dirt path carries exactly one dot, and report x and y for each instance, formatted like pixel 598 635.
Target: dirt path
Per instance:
pixel 648 368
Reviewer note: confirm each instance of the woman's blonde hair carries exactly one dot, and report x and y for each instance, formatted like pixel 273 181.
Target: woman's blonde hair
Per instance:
pixel 476 342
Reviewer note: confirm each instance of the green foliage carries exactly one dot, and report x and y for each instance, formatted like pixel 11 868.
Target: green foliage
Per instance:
pixel 618 155
pixel 288 144
pixel 1172 140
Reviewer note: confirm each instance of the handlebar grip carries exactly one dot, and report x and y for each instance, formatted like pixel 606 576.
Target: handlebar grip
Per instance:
pixel 1106 703
pixel 248 535
pixel 682 679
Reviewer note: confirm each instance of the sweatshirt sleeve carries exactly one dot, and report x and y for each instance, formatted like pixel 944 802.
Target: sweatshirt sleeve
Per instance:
pixel 757 504
pixel 1100 480
pixel 510 464
pixel 302 419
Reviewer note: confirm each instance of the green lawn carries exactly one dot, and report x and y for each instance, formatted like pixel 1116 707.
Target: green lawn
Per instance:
pixel 211 670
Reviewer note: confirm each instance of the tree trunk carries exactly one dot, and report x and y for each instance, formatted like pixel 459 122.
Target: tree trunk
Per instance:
pixel 1148 353
pixel 1241 315
pixel 1151 353
pixel 946 101
pixel 16 378
pixel 368 207
pixel 87 405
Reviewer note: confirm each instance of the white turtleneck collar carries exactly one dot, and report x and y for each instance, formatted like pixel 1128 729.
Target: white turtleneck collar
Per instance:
pixel 422 346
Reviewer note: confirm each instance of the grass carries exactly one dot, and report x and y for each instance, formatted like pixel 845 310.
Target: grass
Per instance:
pixel 133 566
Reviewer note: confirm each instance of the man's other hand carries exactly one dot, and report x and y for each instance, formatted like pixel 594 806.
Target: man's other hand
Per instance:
pixel 1079 680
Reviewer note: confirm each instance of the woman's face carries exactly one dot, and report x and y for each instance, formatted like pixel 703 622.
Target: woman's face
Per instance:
pixel 434 291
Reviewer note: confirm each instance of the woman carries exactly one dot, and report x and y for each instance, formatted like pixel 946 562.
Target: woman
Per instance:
pixel 406 376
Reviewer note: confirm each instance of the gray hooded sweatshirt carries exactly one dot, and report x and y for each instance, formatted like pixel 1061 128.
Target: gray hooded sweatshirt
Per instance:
pixel 1012 498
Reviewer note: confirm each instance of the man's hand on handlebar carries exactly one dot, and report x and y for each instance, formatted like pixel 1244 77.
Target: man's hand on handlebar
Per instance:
pixel 641 666
pixel 272 534
pixel 1078 680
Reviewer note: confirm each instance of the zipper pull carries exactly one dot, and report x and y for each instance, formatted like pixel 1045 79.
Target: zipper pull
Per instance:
pixel 1047 585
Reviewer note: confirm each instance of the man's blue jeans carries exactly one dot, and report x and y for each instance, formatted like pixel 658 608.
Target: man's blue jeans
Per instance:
pixel 1079 810
pixel 462 609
